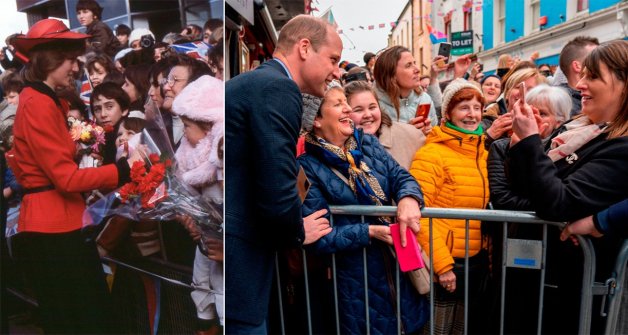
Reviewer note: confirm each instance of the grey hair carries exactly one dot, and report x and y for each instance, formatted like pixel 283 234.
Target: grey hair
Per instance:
pixel 556 98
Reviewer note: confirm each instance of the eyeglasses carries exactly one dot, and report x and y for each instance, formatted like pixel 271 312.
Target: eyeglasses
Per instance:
pixel 171 80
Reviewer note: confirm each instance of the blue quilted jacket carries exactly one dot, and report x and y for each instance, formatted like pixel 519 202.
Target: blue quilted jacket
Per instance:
pixel 350 237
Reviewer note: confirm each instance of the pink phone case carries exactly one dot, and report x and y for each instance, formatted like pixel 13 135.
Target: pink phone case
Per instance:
pixel 409 257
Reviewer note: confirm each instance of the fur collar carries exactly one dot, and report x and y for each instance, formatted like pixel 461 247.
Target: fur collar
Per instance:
pixel 198 166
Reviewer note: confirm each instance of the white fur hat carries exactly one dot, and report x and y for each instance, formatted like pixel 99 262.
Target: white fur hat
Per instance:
pixel 137 33
pixel 202 100
pixel 452 89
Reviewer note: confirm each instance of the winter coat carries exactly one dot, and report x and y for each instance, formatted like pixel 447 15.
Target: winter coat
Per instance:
pixel 102 39
pixel 451 169
pixel 582 184
pixel 350 235
pixel 613 220
pixel 407 106
pixel 505 193
pixel 43 156
pixel 401 140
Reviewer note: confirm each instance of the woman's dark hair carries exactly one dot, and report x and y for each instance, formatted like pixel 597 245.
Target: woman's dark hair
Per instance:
pixel 114 77
pixel 90 5
pixel 195 68
pixel 134 123
pixel 138 76
pixel 110 90
pixel 613 54
pixel 47 57
pixel 101 58
pixel 74 100
pixel 12 82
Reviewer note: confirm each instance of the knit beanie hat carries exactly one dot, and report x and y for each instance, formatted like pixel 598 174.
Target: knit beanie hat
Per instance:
pixel 489 76
pixel 451 90
pixel 137 34
pixel 202 100
pixel 311 104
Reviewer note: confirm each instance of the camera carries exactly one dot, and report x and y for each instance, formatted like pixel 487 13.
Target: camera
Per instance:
pixel 147 41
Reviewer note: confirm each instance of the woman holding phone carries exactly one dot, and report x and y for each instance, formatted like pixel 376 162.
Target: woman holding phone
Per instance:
pixel 398 87
pixel 63 269
pixel 583 172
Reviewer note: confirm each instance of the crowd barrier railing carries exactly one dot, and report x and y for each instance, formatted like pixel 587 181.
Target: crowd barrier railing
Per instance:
pixel 610 290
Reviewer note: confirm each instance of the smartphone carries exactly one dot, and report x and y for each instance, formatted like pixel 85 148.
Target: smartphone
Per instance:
pixel 522 91
pixel 444 49
pixel 409 257
pixel 422 110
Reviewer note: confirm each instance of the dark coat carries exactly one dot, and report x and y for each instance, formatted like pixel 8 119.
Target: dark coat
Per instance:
pixel 102 39
pixel 561 191
pixel 262 208
pixel 568 190
pixel 350 235
pixel 505 193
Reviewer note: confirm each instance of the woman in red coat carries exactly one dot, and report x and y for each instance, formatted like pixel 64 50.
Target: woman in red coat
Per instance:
pixel 64 269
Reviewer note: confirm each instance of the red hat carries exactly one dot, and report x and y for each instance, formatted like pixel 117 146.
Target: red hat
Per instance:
pixel 44 31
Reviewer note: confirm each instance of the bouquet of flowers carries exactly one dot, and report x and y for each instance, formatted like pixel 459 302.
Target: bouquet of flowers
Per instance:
pixel 155 192
pixel 90 139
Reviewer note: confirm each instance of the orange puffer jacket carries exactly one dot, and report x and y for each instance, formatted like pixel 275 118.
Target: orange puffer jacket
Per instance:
pixel 451 169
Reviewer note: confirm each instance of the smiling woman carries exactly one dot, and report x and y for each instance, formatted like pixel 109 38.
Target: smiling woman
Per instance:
pixel 63 268
pixel 451 169
pixel 346 167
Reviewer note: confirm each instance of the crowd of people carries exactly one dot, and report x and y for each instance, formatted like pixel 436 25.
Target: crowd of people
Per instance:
pixel 527 137
pixel 116 88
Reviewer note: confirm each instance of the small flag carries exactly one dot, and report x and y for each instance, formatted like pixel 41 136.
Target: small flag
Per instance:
pixel 382 25
pixel 198 49
pixel 435 35
pixel 339 31
pixel 86 88
pixel 361 27
pixel 371 27
pixel 479 8
pixel 393 24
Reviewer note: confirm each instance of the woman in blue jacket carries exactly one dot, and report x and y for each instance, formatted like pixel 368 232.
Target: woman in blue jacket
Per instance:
pixel 345 167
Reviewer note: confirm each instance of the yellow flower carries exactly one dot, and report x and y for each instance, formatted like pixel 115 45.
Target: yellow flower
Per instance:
pixel 85 136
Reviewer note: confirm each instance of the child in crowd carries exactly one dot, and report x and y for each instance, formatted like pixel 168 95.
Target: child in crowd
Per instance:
pixel 98 67
pixel 199 164
pixel 110 104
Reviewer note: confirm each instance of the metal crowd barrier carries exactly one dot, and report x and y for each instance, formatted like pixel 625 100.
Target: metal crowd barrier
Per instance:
pixel 611 290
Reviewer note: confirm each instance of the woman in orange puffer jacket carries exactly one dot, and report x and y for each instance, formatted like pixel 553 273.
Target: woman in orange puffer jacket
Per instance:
pixel 451 169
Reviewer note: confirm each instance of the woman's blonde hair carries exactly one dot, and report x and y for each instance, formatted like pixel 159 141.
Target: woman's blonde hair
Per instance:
pixel 521 76
pixel 502 62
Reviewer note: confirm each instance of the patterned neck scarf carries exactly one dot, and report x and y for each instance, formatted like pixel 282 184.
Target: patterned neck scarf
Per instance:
pixel 348 161
pixel 579 132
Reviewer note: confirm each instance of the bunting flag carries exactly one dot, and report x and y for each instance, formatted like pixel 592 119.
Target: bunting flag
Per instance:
pixel 329 17
pixel 382 25
pixel 86 88
pixel 371 27
pixel 435 35
pixel 198 49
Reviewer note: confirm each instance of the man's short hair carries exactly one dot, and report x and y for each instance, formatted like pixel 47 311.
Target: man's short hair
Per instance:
pixel 300 27
pixel 575 50
pixel 90 5
pixel 123 29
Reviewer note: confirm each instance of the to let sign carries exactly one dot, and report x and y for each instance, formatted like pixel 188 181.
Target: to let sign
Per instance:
pixel 462 42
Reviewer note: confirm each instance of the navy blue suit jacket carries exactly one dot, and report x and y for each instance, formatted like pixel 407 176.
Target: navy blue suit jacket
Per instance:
pixel 262 208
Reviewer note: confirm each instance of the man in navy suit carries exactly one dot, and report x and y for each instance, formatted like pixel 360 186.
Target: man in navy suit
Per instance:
pixel 263 210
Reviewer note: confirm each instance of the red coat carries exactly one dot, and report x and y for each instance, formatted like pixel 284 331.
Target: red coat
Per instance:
pixel 43 155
